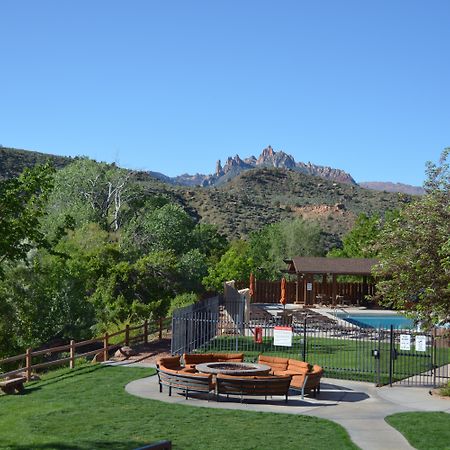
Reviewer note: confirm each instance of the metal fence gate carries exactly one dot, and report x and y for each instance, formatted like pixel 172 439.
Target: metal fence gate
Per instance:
pixel 381 356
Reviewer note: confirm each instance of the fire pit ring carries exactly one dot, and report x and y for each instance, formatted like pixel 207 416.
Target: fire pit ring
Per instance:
pixel 234 368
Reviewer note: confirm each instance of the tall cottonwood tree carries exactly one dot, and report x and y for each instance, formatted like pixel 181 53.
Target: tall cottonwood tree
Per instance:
pixel 90 191
pixel 414 251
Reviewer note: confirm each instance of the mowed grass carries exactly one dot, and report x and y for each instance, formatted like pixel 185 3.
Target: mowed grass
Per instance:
pixel 88 408
pixel 424 430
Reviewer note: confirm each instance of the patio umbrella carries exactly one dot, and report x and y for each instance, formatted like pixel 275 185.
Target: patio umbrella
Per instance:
pixel 252 285
pixel 283 292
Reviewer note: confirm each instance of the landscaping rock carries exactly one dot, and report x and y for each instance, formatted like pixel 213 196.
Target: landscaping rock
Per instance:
pixel 125 352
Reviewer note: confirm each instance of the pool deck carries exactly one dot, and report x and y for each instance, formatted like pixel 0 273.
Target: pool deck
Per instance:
pixel 359 407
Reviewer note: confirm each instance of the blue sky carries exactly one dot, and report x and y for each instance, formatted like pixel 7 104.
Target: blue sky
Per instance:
pixel 173 86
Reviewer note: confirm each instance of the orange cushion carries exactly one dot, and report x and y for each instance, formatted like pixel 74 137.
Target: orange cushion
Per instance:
pixel 300 366
pixel 169 362
pixel 231 357
pixel 273 361
pixel 198 358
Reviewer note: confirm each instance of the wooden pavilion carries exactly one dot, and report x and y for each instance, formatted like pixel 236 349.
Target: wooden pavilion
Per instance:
pixel 309 291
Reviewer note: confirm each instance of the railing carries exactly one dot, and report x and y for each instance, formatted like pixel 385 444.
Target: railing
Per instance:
pixel 270 291
pixel 104 348
pixel 345 351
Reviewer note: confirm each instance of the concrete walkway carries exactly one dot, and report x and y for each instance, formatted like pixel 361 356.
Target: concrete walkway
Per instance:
pixel 359 407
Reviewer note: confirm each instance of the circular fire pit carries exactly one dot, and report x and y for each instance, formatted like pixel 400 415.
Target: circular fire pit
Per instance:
pixel 233 368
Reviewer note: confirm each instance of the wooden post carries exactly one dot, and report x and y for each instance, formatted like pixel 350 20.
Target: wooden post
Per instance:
pixel 127 334
pixel 146 331
pixel 313 292
pixel 28 364
pixel 297 290
pixel 334 289
pixel 160 328
pixel 105 347
pixel 72 354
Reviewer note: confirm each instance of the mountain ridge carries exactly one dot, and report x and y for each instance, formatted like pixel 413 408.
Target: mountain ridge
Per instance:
pixel 251 199
pixel 13 161
pixel 268 158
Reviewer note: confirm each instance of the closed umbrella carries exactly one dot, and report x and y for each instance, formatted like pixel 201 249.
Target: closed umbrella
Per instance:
pixel 283 292
pixel 252 285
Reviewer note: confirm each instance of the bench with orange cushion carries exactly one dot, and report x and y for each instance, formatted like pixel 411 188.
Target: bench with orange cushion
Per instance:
pixel 304 376
pixel 253 385
pixel 187 382
pixel 309 381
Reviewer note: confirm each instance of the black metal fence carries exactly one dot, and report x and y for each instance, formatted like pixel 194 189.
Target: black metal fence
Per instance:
pixel 381 356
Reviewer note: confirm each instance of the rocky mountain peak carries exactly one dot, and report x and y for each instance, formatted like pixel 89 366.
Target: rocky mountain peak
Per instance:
pixel 266 154
pixel 268 158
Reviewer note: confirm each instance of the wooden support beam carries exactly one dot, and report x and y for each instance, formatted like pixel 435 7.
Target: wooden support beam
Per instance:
pixel 334 290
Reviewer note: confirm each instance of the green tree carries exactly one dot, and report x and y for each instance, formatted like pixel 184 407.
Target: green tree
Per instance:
pixel 89 191
pixel 22 202
pixel 235 264
pixel 46 297
pixel 414 251
pixel 360 241
pixel 287 239
pixel 168 227
pixel 135 291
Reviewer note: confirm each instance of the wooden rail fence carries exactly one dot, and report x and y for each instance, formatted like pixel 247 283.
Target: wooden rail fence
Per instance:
pixel 71 348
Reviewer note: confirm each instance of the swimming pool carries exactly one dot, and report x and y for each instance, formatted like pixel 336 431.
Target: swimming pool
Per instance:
pixel 377 320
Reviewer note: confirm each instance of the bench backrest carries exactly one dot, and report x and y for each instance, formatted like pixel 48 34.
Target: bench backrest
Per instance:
pixel 300 366
pixel 229 357
pixel 198 381
pixel 276 385
pixel 198 358
pixel 273 361
pixel 169 362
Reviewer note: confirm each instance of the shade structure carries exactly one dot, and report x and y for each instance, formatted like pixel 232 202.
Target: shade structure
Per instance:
pixel 283 291
pixel 252 285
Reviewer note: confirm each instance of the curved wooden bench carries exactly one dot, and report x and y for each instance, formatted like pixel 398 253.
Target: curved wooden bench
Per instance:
pixel 309 381
pixel 258 386
pixel 305 377
pixel 187 382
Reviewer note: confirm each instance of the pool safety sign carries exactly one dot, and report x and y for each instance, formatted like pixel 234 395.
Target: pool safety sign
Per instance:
pixel 421 343
pixel 282 336
pixel 405 342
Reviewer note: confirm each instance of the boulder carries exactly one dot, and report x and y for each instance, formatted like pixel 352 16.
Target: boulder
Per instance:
pixel 125 352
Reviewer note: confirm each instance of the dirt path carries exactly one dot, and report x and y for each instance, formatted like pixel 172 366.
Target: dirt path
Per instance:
pixel 148 353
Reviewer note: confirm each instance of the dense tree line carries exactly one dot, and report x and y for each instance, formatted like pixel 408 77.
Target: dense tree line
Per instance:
pixel 85 249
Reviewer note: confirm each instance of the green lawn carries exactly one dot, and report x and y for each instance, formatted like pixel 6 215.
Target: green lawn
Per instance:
pixel 88 408
pixel 424 430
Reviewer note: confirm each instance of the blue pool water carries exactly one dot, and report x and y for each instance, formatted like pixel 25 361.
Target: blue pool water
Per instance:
pixel 377 320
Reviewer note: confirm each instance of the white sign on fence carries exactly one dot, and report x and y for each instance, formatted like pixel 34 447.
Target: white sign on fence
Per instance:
pixel 405 342
pixel 421 343
pixel 282 336
pixel 309 286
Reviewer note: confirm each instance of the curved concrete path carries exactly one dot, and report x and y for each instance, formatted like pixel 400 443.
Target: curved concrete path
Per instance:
pixel 359 407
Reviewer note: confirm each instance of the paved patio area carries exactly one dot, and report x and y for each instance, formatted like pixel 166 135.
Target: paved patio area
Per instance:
pixel 359 407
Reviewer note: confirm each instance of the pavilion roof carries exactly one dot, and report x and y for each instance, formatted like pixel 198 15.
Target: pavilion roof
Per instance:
pixel 338 266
